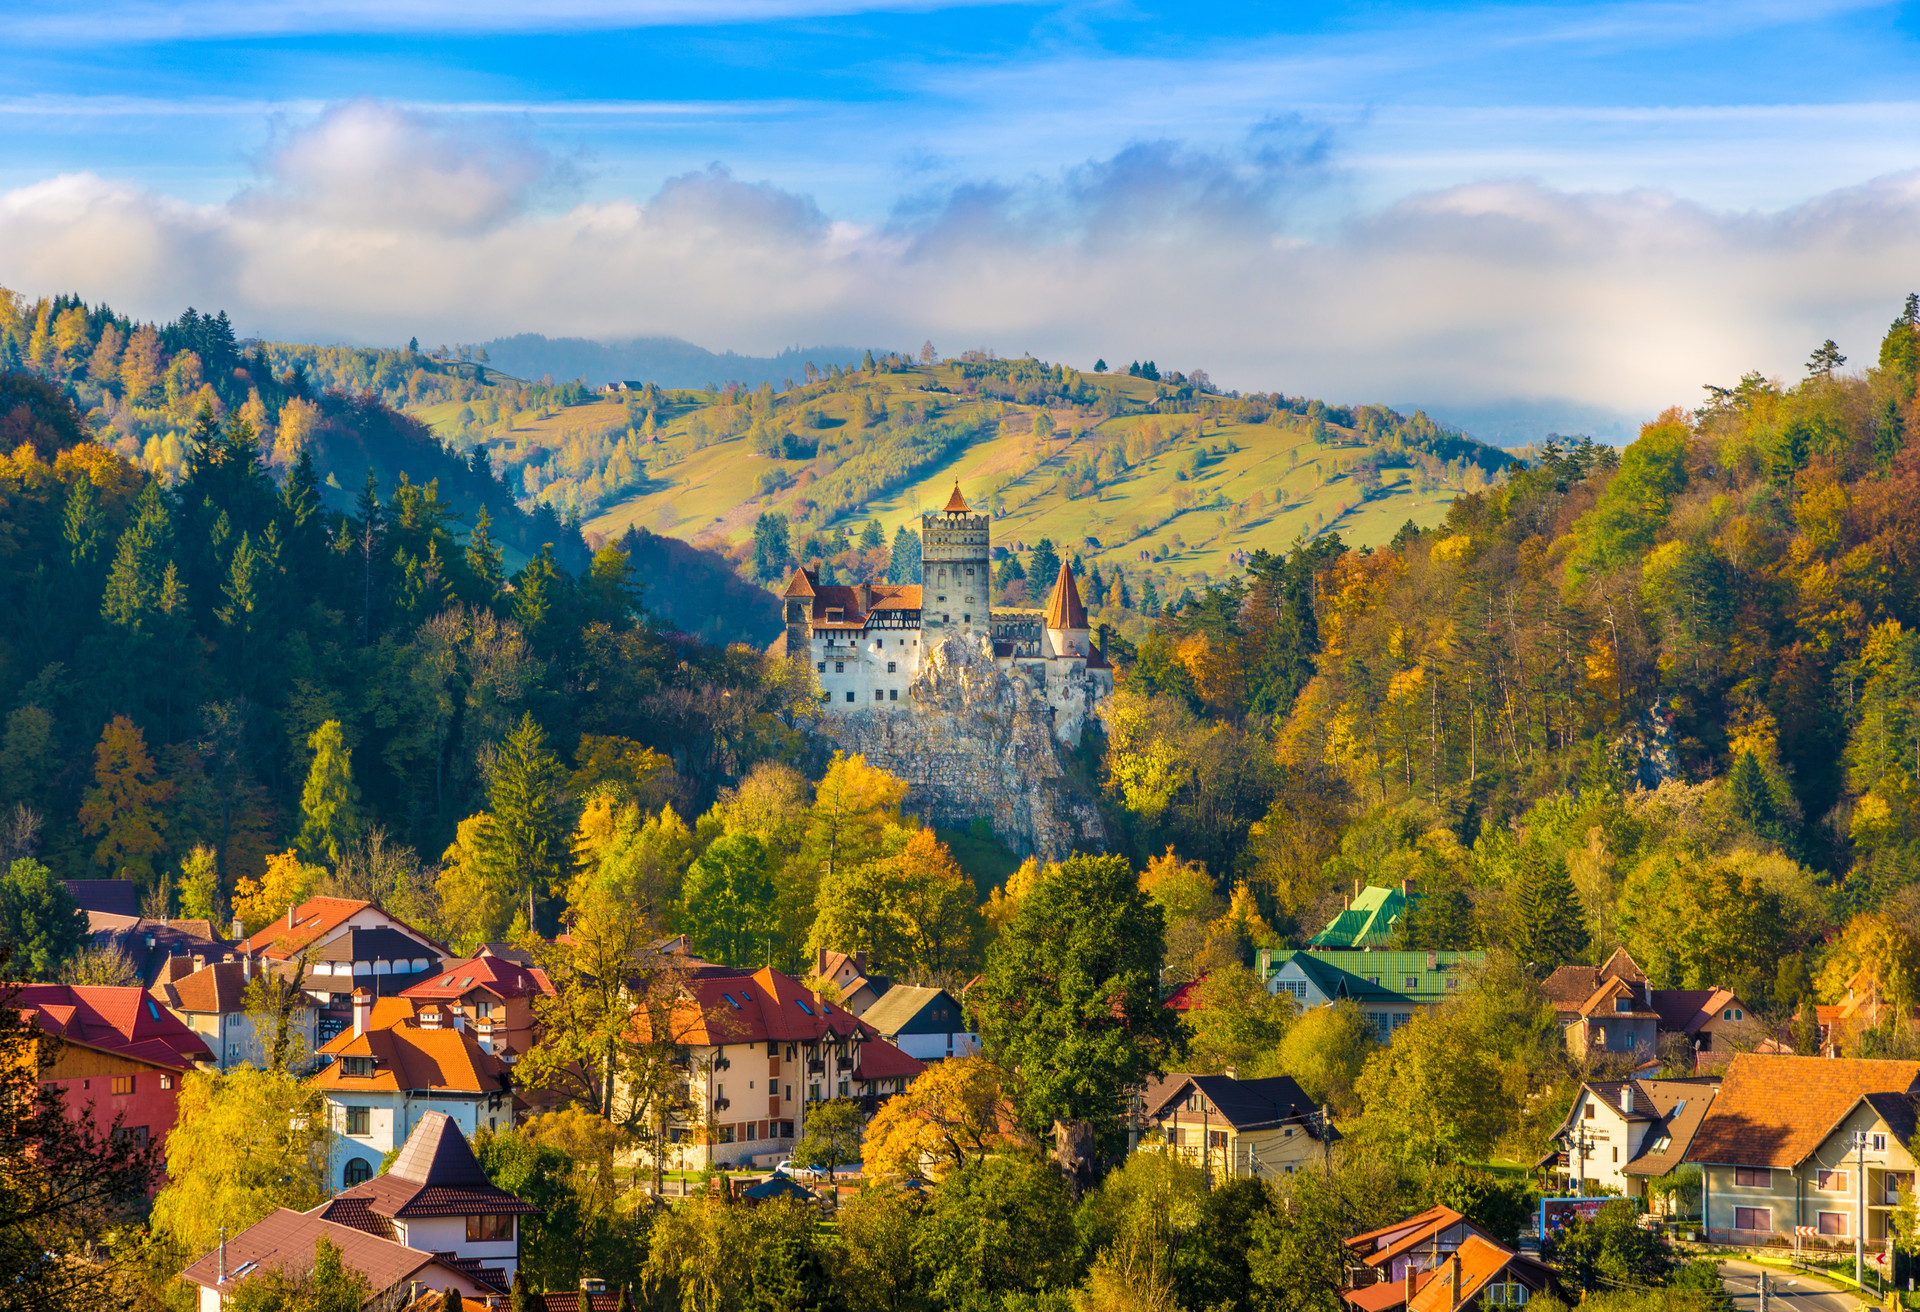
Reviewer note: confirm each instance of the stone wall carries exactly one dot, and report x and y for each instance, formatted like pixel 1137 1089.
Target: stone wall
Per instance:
pixel 972 742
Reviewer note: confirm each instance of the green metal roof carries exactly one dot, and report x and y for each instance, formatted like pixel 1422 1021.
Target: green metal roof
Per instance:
pixel 1382 977
pixel 1367 923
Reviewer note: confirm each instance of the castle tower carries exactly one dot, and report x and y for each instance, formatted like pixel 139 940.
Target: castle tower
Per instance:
pixel 797 602
pixel 1067 631
pixel 954 579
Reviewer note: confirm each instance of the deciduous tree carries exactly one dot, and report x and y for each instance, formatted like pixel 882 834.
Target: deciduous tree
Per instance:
pixel 123 808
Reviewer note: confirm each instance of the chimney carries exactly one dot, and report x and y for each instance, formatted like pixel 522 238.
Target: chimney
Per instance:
pixel 1231 1072
pixel 1626 1098
pixel 289 915
pixel 362 1011
pixel 1357 886
pixel 820 962
pixel 1413 1281
pixel 199 961
pixel 1433 960
pixel 1409 886
pixel 221 1277
pixel 246 966
pixel 460 1021
pixel 239 930
pixel 430 1018
pixel 1453 1283
pixel 860 962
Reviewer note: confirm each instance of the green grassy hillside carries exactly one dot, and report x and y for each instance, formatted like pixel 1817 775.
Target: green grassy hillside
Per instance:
pixel 1151 475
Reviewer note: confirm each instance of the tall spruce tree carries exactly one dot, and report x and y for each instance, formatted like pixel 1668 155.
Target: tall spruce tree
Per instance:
pixel 330 802
pixel 1544 927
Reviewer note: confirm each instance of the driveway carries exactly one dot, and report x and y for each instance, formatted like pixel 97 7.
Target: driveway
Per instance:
pixel 1743 1282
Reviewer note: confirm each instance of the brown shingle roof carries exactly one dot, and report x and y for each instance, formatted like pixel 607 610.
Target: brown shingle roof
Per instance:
pixel 956 504
pixel 286 1239
pixel 1774 1111
pixel 435 1174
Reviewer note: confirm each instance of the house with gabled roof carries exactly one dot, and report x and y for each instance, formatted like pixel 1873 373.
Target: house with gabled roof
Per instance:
pixel 381 1078
pixel 1390 988
pixel 285 1240
pixel 494 995
pixel 212 1002
pixel 1787 1138
pixel 1621 1133
pixel 437 1198
pixel 1618 1021
pixel 1438 1261
pixel 1231 1127
pixel 760 1049
pixel 928 1024
pixel 1715 1022
pixel 117 1051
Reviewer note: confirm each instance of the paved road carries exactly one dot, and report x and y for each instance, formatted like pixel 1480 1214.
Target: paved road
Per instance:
pixel 1743 1282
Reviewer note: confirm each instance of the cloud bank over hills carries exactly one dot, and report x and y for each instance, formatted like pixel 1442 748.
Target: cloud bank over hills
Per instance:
pixel 378 222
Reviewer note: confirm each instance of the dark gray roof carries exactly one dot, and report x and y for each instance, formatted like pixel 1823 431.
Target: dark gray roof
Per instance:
pixel 382 944
pixel 1244 1104
pixel 116 897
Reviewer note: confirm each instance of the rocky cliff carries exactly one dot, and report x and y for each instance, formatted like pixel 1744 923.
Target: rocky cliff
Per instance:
pixel 973 742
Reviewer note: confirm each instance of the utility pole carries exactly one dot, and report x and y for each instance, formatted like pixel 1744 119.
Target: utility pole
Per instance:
pixel 1763 1289
pixel 1860 1209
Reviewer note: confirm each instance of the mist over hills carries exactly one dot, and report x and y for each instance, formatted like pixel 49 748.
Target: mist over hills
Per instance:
pixel 667 361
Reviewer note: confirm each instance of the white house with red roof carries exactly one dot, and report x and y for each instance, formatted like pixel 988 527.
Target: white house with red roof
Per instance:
pixel 120 1052
pixel 346 945
pixel 494 995
pixel 401 1061
pixel 762 1048
pixel 868 642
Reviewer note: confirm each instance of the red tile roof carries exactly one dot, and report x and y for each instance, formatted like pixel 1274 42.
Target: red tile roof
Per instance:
pixel 220 987
pixel 313 920
pixel 409 1057
pixel 498 976
pixel 1774 1111
pixel 1479 1260
pixel 1064 610
pixel 956 504
pixel 855 604
pixel 769 1006
pixel 122 1021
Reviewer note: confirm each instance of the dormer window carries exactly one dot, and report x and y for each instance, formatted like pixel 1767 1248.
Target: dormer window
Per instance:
pixel 359 1068
pixel 1623 1004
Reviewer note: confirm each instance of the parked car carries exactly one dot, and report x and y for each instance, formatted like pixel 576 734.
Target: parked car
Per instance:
pixel 793 1172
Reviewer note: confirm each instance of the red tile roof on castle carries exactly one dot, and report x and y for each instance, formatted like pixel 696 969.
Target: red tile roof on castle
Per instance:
pixel 122 1021
pixel 956 504
pixel 768 1006
pixel 502 978
pixel 1064 610
pixel 853 603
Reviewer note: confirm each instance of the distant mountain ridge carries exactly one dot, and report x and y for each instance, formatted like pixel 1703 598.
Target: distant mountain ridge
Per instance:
pixel 667 361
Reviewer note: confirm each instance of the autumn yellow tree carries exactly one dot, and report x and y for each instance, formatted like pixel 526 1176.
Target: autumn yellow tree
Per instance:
pixel 141 366
pixel 122 809
pixel 853 807
pixel 913 913
pixel 946 1118
pixel 286 882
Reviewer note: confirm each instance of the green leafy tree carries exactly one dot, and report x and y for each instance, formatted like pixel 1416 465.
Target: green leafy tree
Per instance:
pixel 41 926
pixel 1499 1205
pixel 1210 1270
pixel 1071 996
pixel 998 1227
pixel 877 1229
pixel 1628 515
pixel 1432 1096
pixel 832 1137
pixel 1610 1251
pixel 329 1285
pixel 727 904
pixel 330 801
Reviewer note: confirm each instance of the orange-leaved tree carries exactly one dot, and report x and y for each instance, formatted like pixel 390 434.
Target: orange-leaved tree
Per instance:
pixel 950 1116
pixel 122 808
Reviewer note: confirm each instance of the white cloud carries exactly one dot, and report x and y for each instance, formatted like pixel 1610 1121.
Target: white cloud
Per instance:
pixel 378 224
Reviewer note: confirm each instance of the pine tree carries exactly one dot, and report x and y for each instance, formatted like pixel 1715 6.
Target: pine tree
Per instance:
pixel 1044 566
pixel 770 547
pixel 519 1297
pixel 904 567
pixel 84 528
pixel 368 522
pixel 1889 428
pixel 1544 927
pixel 484 559
pixel 243 594
pixel 524 847
pixel 330 803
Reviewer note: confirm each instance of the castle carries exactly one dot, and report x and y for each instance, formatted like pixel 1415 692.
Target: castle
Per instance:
pixel 869 642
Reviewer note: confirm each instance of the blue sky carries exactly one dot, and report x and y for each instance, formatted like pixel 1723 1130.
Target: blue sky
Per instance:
pixel 1581 207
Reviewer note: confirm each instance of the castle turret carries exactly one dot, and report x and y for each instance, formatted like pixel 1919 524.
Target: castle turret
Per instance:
pixel 953 571
pixel 1068 633
pixel 797 602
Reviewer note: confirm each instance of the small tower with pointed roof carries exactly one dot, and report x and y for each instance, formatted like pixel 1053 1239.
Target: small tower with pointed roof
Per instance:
pixel 1068 634
pixel 954 574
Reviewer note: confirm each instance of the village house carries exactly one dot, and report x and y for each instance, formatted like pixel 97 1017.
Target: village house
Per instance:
pixel 435 1197
pixel 1713 1022
pixel 285 1239
pixel 1370 919
pixel 928 1024
pixel 1621 1133
pixel 494 996
pixel 1438 1261
pixel 347 945
pixel 393 1067
pixel 1390 988
pixel 845 974
pixel 759 1050
pixel 119 1053
pixel 211 1000
pixel 1806 1141
pixel 1266 1128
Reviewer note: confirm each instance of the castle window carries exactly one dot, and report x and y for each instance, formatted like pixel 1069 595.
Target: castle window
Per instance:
pixel 826 697
pixel 849 695
pixel 941 597
pixel 890 665
pixel 893 694
pixel 822 667
pixel 839 667
pixel 878 695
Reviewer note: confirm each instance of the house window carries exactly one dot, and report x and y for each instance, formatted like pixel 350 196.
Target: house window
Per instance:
pixel 1452 983
pixel 846 1088
pixel 483 1010
pixel 750 1131
pixel 849 694
pixel 786 1129
pixel 1373 979
pixel 123 1084
pixel 357 1067
pixel 133 1134
pixel 1756 1177
pixel 1589 1111
pixel 1832 1182
pixel 1832 1223
pixel 1733 1013
pixel 1378 1019
pixel 358 1171
pixel 1413 981
pixel 821 667
pixel 726 1134
pixel 1879 1143
pixel 490 1229
pixel 1506 1293
pixel 166 1081
pixel 359 1120
pixel 1753 1218
pixel 1623 1004
pixel 1402 1018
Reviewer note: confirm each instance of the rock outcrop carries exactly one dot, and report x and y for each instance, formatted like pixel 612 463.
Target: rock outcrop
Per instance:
pixel 973 742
